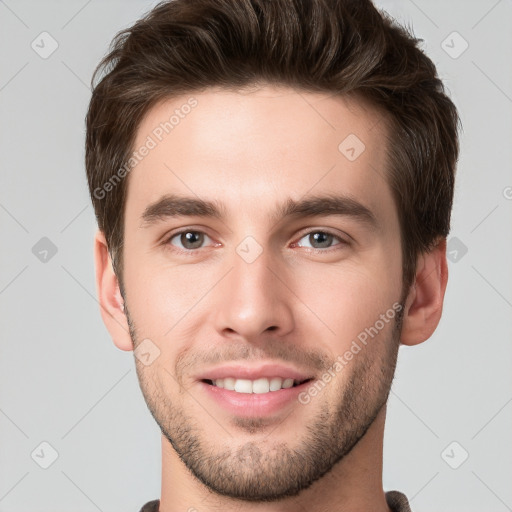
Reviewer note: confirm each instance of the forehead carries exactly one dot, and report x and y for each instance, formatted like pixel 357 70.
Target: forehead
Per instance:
pixel 267 143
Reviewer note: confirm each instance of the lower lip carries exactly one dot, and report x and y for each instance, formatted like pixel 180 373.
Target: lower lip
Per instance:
pixel 254 404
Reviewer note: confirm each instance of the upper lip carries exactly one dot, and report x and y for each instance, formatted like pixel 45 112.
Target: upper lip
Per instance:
pixel 239 371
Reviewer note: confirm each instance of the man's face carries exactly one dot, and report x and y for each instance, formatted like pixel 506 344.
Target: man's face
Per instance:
pixel 262 291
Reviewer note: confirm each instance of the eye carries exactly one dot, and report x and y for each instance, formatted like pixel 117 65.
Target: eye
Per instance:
pixel 188 240
pixel 321 240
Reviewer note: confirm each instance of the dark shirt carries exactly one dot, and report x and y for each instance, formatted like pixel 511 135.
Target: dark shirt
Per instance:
pixel 397 502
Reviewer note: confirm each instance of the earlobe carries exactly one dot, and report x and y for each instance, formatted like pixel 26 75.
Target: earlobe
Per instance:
pixel 424 303
pixel 109 295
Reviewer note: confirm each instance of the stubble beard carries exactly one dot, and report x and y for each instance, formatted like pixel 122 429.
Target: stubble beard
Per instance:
pixel 266 471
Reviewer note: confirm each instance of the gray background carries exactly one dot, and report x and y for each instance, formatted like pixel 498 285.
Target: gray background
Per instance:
pixel 63 382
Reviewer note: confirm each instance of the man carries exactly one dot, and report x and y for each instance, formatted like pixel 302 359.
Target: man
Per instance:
pixel 273 183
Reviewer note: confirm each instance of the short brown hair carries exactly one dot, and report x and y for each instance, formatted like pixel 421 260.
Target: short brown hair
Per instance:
pixel 335 46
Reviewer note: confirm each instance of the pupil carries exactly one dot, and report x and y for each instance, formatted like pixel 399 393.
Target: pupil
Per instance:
pixel 321 238
pixel 191 239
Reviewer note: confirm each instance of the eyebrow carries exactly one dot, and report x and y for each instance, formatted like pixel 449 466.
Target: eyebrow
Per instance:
pixel 171 205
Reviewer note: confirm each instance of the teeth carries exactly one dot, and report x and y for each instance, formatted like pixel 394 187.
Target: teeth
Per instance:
pixel 243 386
pixel 287 383
pixel 229 383
pixel 275 383
pixel 262 385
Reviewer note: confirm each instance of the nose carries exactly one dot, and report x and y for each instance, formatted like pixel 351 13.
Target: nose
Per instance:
pixel 255 298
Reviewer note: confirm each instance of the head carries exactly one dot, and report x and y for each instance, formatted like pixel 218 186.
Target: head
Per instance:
pixel 309 149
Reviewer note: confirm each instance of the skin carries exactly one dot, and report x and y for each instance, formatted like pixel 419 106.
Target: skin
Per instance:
pixel 250 151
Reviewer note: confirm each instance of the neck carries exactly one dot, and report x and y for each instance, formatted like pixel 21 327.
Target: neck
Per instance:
pixel 353 484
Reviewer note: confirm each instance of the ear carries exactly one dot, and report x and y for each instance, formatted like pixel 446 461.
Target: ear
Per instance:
pixel 424 303
pixel 109 295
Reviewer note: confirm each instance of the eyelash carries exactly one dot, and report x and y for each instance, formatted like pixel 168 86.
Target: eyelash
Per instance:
pixel 342 243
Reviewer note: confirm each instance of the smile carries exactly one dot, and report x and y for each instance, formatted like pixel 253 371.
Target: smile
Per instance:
pixel 260 386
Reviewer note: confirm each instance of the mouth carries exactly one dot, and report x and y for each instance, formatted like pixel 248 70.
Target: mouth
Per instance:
pixel 264 389
pixel 258 386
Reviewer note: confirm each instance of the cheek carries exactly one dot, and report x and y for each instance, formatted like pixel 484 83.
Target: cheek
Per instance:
pixel 341 299
pixel 162 298
pixel 348 297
